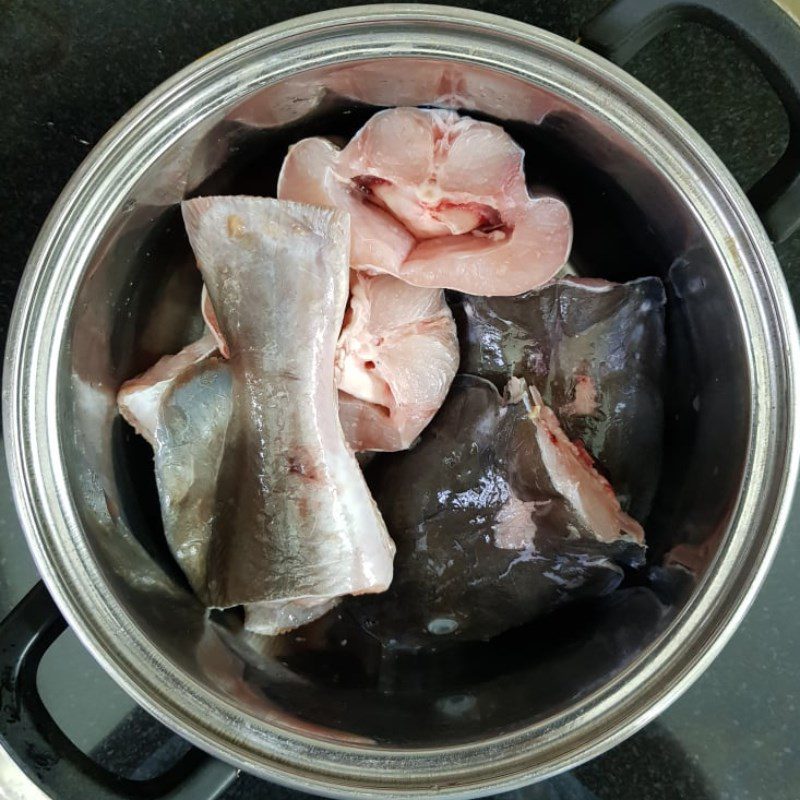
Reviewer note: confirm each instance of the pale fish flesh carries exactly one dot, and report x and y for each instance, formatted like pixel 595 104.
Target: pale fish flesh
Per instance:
pixel 396 358
pixel 436 199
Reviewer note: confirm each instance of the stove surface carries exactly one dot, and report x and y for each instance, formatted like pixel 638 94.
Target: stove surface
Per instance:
pixel 72 68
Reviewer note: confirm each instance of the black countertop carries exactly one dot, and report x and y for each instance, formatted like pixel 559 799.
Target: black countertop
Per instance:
pixel 70 69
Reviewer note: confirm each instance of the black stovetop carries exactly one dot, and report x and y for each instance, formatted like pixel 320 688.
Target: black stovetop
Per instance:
pixel 71 68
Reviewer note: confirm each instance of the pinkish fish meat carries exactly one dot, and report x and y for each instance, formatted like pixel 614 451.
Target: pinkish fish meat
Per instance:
pixel 572 472
pixel 516 523
pixel 436 199
pixel 396 357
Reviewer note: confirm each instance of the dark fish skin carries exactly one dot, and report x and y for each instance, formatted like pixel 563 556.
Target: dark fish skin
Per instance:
pixel 442 503
pixel 566 331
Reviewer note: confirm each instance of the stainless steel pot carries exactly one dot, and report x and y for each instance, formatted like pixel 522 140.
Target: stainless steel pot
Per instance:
pixel 110 285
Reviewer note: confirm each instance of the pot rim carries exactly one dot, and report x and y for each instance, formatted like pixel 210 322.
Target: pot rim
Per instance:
pixel 37 338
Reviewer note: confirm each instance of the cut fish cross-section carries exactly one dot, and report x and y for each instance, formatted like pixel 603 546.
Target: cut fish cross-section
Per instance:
pixel 396 358
pixel 436 199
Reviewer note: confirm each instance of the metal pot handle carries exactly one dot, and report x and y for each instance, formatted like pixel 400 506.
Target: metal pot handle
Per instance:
pixel 31 737
pixel 771 38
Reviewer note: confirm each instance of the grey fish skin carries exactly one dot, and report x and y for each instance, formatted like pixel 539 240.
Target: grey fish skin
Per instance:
pixel 183 408
pixel 612 334
pixel 293 516
pixel 192 424
pixel 446 503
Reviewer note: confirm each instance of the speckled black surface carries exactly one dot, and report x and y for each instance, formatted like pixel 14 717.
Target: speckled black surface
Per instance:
pixel 69 69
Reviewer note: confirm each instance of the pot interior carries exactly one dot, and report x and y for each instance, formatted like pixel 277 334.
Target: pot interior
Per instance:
pixel 139 299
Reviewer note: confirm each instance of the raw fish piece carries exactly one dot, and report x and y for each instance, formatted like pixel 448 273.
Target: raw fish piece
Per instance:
pixel 138 399
pixel 488 535
pixel 596 351
pixel 192 420
pixel 437 200
pixel 185 417
pixel 292 519
pixel 396 357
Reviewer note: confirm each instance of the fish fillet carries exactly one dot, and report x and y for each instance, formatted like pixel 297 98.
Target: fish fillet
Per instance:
pixel 495 523
pixel 194 410
pixel 396 358
pixel 293 517
pixel 436 199
pixel 597 353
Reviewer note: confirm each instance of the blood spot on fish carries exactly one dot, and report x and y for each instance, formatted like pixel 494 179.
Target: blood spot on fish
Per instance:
pixel 367 183
pixel 300 462
pixel 369 365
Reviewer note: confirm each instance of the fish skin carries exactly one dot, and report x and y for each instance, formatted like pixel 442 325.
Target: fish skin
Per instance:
pixel 437 200
pixel 190 436
pixel 293 517
pixel 185 403
pixel 447 504
pixel 139 398
pixel 610 335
